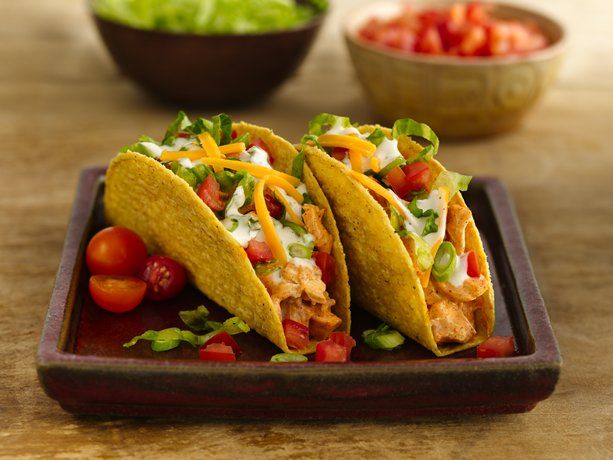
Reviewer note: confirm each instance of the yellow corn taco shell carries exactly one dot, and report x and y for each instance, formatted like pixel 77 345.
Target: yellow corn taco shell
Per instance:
pixel 164 210
pixel 383 278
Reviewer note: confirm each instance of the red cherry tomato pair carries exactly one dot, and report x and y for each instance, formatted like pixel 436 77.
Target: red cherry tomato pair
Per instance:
pixel 123 275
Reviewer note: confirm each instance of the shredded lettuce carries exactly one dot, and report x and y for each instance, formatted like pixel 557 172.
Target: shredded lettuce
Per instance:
pixel 324 121
pixel 209 17
pixel 311 139
pixel 298 165
pixel 376 137
pixel 180 123
pixel 422 251
pixel 409 127
pixel 455 182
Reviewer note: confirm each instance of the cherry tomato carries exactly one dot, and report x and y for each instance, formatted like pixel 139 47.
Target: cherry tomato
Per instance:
pixel 257 142
pixel 274 207
pixel 117 293
pixel 217 352
pixel 417 176
pixel 472 265
pixel 327 265
pixel 209 192
pixel 165 277
pixel 344 340
pixel 115 251
pixel 330 352
pixel 339 153
pixel 497 347
pixel 296 334
pixel 258 251
pixel 226 339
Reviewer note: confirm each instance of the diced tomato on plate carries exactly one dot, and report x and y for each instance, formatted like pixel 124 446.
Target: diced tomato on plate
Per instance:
pixel 497 347
pixel 217 352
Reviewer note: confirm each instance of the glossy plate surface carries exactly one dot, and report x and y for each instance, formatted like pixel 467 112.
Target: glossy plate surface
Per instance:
pixel 82 364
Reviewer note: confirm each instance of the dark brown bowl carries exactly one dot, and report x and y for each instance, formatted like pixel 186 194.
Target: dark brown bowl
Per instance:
pixel 208 69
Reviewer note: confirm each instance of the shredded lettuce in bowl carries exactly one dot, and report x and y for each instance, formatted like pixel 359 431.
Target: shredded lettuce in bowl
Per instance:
pixel 209 17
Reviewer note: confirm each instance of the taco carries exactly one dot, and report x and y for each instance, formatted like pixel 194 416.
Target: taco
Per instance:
pixel 246 217
pixel 415 256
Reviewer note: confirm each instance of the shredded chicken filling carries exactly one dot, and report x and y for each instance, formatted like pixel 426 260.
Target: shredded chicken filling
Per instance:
pixel 298 291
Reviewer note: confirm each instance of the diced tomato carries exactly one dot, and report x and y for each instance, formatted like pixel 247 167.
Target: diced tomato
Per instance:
pixel 397 179
pixel 115 251
pixel 344 340
pixel 217 352
pixel 117 294
pixel 234 134
pixel 328 351
pixel 210 192
pixel 226 339
pixel 296 334
pixel 417 176
pixel 497 347
pixel 258 251
pixel 475 12
pixel 472 265
pixel 165 277
pixel 327 265
pixel 429 42
pixel 183 134
pixel 257 142
pixel 459 30
pixel 274 207
pixel 339 153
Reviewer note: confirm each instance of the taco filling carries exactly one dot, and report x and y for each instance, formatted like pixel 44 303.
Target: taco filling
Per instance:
pixel 269 213
pixel 419 202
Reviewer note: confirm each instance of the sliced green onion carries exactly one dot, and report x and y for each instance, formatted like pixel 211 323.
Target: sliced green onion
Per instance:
pixel 391 165
pixel 444 262
pixel 383 338
pixel 245 138
pixel 266 268
pixel 298 230
pixel 300 250
pixel 288 358
pixel 230 224
pixel 195 319
pixel 235 325
pixel 307 199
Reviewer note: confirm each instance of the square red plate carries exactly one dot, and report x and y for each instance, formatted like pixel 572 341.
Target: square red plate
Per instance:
pixel 82 364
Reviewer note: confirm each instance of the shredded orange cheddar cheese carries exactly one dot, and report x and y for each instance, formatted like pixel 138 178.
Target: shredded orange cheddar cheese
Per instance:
pixel 266 222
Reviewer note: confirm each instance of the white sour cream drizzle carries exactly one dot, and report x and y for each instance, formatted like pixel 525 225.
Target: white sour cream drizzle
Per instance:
pixel 460 274
pixel 178 144
pixel 436 201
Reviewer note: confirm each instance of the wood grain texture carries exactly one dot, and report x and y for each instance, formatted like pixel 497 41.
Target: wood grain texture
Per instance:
pixel 63 106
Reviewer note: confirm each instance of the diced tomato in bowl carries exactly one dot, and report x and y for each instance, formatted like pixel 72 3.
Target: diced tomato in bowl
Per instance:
pixel 463 29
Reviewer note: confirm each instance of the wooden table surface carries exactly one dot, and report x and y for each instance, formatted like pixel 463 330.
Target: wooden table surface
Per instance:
pixel 63 106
